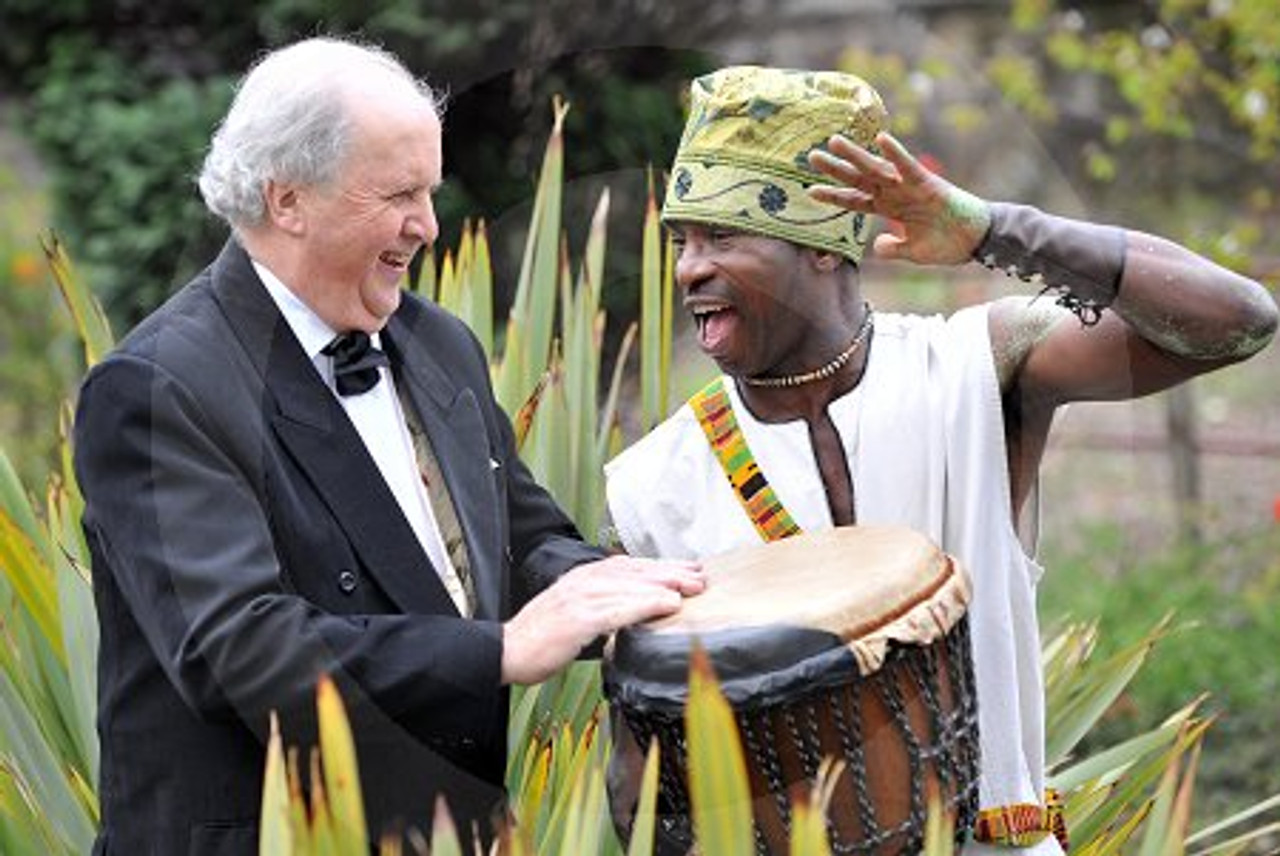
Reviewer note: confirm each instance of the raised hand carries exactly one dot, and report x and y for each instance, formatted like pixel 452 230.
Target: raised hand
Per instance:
pixel 589 601
pixel 930 220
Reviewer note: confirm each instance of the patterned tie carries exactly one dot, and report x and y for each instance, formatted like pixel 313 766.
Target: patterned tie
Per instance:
pixel 460 585
pixel 355 362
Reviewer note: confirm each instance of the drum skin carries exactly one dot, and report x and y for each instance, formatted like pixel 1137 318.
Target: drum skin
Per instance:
pixel 850 643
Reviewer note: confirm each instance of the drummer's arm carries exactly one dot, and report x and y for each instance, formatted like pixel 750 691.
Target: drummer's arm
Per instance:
pixel 1163 313
pixel 1169 313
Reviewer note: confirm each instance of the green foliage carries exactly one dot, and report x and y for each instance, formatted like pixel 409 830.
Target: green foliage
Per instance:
pixel 1193 90
pixel 1223 645
pixel 37 346
pixel 1178 69
pixel 122 141
pixel 1160 113
pixel 1135 794
pixel 1015 76
pixel 332 821
pixel 547 366
pixel 719 794
pixel 122 98
pixel 48 746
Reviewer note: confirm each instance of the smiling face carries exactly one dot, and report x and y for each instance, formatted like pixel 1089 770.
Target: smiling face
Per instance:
pixel 761 305
pixel 356 236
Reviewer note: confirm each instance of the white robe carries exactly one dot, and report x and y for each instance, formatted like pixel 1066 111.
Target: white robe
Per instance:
pixel 924 436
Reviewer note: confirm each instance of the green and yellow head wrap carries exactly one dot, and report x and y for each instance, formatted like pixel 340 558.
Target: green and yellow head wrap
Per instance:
pixel 743 159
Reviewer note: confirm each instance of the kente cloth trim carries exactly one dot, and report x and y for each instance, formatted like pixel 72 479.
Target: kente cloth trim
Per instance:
pixel 715 414
pixel 1023 824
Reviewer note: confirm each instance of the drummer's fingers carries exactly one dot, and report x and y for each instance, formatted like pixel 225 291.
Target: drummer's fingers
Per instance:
pixel 588 615
pixel 905 163
pixel 851 163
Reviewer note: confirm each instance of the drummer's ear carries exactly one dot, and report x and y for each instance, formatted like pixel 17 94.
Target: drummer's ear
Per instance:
pixel 824 261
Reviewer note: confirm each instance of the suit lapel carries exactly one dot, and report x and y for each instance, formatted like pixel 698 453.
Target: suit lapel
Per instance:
pixel 315 430
pixel 456 430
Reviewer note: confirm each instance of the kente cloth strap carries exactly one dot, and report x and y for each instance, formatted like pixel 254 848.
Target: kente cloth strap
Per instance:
pixel 714 411
pixel 1023 824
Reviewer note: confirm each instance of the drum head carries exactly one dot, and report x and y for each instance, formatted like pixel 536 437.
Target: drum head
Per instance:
pixel 805 611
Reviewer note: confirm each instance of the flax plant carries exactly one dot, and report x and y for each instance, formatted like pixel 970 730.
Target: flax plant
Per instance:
pixel 48 636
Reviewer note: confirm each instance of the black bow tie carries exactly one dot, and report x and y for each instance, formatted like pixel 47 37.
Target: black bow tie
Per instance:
pixel 355 362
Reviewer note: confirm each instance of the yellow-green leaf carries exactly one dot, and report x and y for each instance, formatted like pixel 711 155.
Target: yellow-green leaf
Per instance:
pixel 276 833
pixel 444 832
pixel 646 815
pixel 23 563
pixel 480 287
pixel 721 799
pixel 341 771
pixel 90 320
pixel 651 317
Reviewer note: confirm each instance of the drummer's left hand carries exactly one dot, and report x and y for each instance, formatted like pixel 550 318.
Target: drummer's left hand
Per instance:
pixel 930 220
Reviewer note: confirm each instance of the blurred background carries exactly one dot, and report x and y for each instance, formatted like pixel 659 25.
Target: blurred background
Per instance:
pixel 1160 115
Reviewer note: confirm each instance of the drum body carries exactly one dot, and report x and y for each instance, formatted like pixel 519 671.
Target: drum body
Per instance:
pixel 850 644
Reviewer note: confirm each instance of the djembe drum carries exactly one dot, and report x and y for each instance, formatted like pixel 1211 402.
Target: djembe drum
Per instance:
pixel 849 643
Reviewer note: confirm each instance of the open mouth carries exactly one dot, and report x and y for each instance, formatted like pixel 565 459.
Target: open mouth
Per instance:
pixel 715 324
pixel 399 261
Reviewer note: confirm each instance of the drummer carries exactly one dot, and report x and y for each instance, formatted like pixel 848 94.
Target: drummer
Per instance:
pixel 830 413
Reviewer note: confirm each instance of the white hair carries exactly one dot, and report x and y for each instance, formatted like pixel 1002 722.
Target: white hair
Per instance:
pixel 289 122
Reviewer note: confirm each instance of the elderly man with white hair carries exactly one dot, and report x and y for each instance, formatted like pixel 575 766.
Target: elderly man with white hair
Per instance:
pixel 293 468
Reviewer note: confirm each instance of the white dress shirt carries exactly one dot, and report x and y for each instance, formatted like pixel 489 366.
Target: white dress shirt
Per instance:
pixel 380 421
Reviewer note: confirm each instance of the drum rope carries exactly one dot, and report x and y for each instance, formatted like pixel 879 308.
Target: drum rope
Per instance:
pixel 897 709
pixel 767 755
pixel 939 723
pixel 929 686
pixel 850 731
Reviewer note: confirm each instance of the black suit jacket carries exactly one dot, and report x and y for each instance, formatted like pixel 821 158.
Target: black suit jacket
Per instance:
pixel 244 542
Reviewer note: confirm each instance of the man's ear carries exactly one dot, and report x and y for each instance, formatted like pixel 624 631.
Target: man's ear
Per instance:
pixel 284 207
pixel 825 261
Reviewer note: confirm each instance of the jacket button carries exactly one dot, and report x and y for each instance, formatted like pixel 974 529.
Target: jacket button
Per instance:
pixel 347 581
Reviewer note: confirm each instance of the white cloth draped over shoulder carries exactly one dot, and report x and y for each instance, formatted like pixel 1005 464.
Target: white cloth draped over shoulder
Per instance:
pixel 924 436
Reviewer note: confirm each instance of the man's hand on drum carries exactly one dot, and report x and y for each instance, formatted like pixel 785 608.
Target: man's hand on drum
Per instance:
pixel 590 601
pixel 929 219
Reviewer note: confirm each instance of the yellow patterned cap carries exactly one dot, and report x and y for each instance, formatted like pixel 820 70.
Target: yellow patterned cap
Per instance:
pixel 743 158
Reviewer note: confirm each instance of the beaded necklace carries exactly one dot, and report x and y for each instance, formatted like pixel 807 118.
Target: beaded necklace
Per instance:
pixel 822 372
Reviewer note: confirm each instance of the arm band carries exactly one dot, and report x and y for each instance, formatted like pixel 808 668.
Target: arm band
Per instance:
pixel 1082 262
